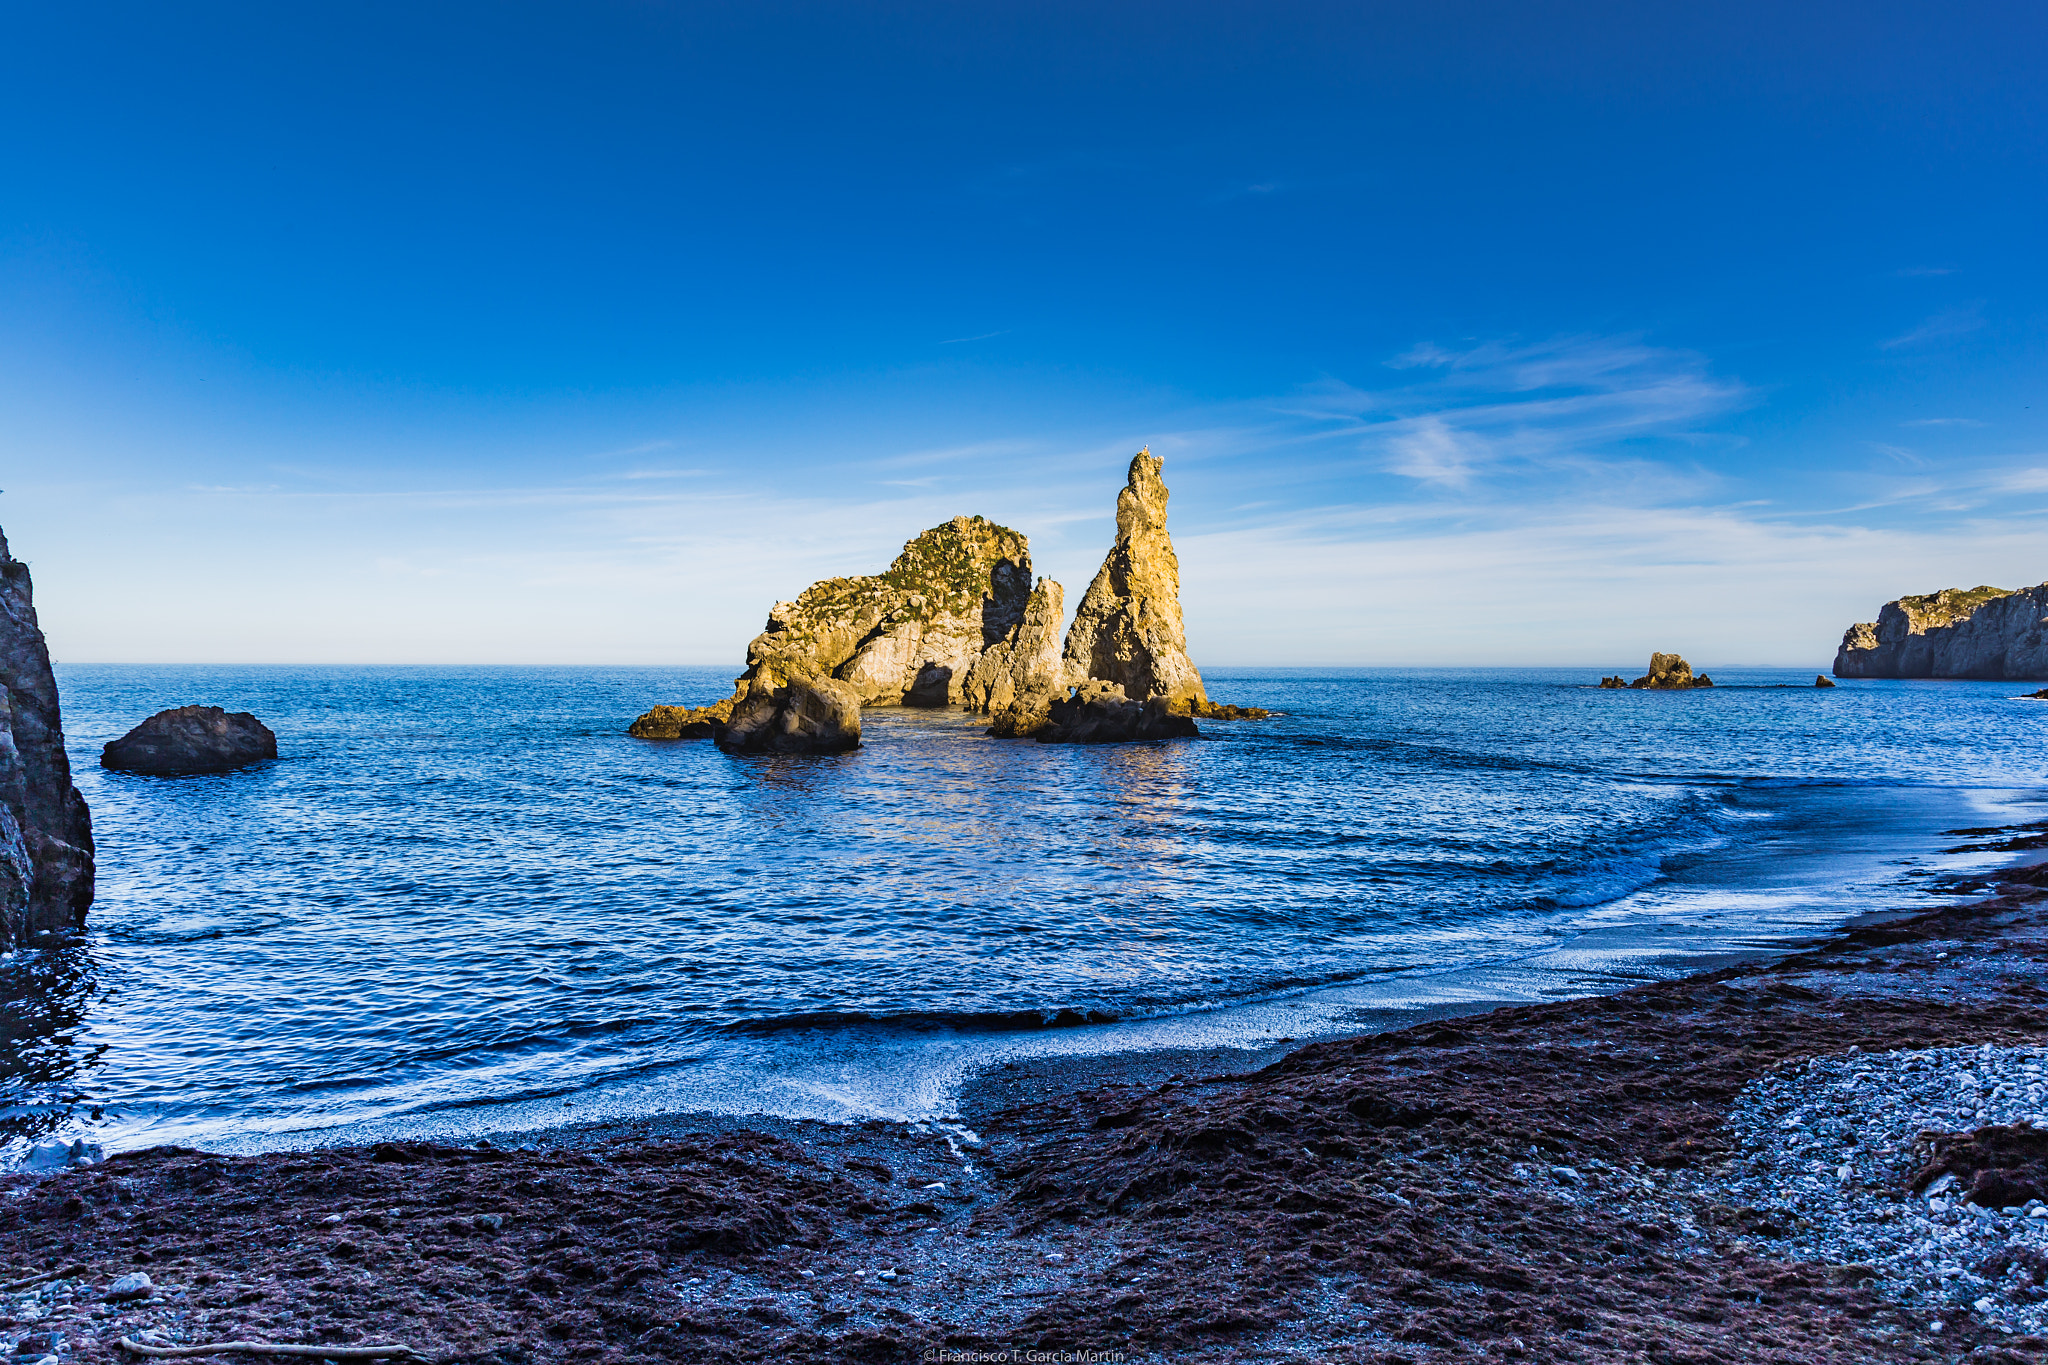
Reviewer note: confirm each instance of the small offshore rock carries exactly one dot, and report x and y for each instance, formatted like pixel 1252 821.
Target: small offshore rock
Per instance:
pixel 683 722
pixel 1023 717
pixel 1215 710
pixel 1100 713
pixel 134 1285
pixel 1823 680
pixel 1616 681
pixel 804 716
pixel 189 740
pixel 1669 672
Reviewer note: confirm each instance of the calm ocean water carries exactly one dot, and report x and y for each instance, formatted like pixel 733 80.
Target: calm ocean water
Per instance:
pixel 465 900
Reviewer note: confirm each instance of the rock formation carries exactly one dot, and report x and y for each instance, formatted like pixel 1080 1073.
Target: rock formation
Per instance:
pixel 1668 672
pixel 1127 628
pixel 956 620
pixel 1616 681
pixel 1823 680
pixel 1988 633
pixel 908 636
pixel 1099 713
pixel 1026 662
pixel 189 740
pixel 803 716
pixel 683 722
pixel 46 871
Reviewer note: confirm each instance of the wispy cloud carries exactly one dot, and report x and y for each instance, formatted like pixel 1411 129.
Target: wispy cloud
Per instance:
pixel 644 448
pixel 1943 422
pixel 1953 322
pixel 984 336
pixel 1495 410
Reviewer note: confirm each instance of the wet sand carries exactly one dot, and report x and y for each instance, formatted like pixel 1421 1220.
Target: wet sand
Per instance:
pixel 1524 1184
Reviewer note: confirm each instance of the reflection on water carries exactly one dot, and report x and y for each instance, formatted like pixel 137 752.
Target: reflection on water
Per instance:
pixel 461 886
pixel 45 995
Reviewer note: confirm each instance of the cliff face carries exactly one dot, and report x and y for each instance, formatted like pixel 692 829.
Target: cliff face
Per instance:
pixel 46 873
pixel 910 635
pixel 1127 629
pixel 1987 633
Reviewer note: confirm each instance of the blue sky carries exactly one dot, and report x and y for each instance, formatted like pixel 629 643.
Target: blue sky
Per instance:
pixel 1471 333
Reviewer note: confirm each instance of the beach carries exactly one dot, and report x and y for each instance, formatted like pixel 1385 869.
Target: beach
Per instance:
pixel 1544 1183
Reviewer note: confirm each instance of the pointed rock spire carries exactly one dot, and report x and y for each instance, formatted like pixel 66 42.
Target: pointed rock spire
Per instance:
pixel 1127 629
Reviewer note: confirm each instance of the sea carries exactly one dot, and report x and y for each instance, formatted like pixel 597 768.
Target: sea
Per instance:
pixel 465 901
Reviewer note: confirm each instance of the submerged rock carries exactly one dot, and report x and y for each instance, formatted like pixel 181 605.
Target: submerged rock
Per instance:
pixel 46 851
pixel 1099 713
pixel 188 740
pixel 1127 629
pixel 1668 672
pixel 807 716
pixel 1983 632
pixel 682 722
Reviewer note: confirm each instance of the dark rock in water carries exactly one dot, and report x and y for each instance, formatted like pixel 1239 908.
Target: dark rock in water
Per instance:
pixel 683 722
pixel 1217 710
pixel 1668 672
pixel 1100 713
pixel 804 716
pixel 46 871
pixel 2042 695
pixel 1616 681
pixel 188 740
pixel 1823 680
pixel 1981 632
pixel 1023 717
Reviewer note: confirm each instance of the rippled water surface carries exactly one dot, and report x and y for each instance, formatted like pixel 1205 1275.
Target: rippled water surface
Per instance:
pixel 466 896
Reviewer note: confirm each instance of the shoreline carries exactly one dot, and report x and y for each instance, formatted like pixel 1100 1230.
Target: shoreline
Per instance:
pixel 910 1075
pixel 1540 1182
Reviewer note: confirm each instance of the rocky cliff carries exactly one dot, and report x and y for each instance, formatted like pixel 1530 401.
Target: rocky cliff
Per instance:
pixel 1127 628
pixel 46 872
pixel 1983 632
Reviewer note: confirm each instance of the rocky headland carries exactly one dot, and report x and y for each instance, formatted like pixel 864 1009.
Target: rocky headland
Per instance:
pixel 46 850
pixel 188 741
pixel 1986 633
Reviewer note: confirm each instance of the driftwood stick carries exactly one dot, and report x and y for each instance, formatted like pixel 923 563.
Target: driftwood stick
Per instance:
pixel 44 1278
pixel 300 1350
